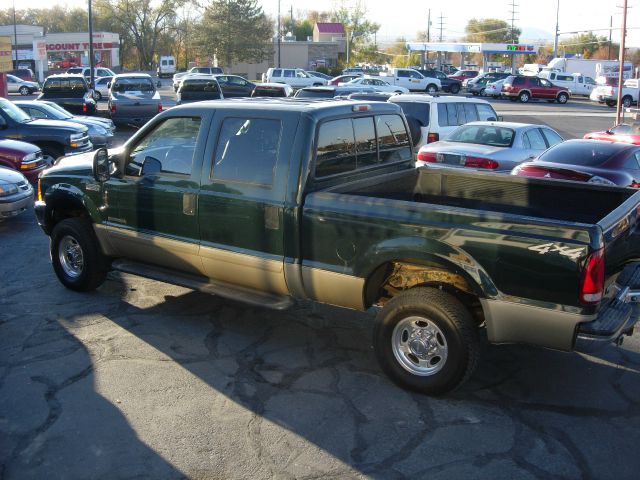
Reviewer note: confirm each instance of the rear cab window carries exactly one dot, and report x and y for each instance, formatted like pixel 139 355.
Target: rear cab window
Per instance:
pixel 350 144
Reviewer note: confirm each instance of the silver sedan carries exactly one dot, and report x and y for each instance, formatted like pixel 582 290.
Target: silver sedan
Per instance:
pixel 489 146
pixel 23 87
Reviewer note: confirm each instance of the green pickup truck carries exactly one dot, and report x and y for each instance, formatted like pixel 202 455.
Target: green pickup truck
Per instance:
pixel 272 200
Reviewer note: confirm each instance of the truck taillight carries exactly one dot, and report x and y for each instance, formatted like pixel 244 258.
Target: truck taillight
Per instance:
pixel 432 137
pixel 113 108
pixel 159 107
pixel 592 286
pixel 479 162
pixel 84 108
pixel 427 157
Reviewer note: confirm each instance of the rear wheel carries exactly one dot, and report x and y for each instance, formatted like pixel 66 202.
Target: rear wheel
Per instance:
pixel 562 98
pixel 75 255
pixel 481 93
pixel 611 103
pixel 627 101
pixel 524 97
pixel 426 340
pixel 455 89
pixel 24 90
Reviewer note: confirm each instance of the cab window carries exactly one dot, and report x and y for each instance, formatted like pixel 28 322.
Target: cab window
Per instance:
pixel 168 148
pixel 247 150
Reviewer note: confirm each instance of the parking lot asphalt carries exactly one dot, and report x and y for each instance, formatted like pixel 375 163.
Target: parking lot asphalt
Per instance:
pixel 146 380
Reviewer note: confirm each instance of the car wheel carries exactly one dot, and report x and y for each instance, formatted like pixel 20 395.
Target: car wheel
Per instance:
pixel 524 97
pixel 627 101
pixel 425 340
pixel 75 255
pixel 97 95
pixel 455 89
pixel 431 88
pixel 24 90
pixel 562 98
pixel 51 153
pixel 481 93
pixel 415 128
pixel 611 103
pixel 475 94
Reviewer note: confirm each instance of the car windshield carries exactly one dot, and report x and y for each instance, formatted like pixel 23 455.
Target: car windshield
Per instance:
pixel 133 85
pixel 483 135
pixel 15 113
pixel 587 153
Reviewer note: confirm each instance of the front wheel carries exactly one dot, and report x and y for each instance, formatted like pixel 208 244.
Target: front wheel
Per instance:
pixel 562 98
pixel 76 256
pixel 626 101
pixel 455 89
pixel 24 91
pixel 611 103
pixel 431 88
pixel 426 340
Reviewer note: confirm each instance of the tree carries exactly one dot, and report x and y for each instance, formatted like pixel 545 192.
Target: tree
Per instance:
pixel 491 30
pixel 237 31
pixel 143 20
pixel 585 44
pixel 354 20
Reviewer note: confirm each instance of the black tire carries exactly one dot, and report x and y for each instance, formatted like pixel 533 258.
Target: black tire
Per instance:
pixel 611 103
pixel 562 98
pixel 481 92
pixel 415 128
pixel 455 329
pixel 627 101
pixel 24 90
pixel 524 97
pixel 72 234
pixel 431 89
pixel 97 95
pixel 455 89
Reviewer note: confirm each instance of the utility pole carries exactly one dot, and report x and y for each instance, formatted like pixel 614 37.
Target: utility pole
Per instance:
pixel 623 32
pixel 610 31
pixel 15 35
pixel 91 59
pixel 555 41
pixel 441 22
pixel 428 34
pixel 513 12
pixel 279 52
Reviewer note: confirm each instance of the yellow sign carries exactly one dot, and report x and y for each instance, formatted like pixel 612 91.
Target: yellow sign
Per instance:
pixel 6 54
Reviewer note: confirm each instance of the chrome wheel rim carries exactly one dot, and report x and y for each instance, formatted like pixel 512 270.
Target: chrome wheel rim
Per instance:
pixel 419 346
pixel 70 256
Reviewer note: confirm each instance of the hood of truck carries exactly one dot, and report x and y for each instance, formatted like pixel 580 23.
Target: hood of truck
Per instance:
pixel 77 165
pixel 62 126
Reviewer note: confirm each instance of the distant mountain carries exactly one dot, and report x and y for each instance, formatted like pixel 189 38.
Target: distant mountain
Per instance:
pixel 536 35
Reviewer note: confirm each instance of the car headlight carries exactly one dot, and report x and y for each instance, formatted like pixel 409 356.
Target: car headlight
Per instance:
pixel 7 189
pixel 75 138
pixel 601 181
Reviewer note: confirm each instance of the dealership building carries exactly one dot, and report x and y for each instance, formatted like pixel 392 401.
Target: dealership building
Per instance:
pixel 56 52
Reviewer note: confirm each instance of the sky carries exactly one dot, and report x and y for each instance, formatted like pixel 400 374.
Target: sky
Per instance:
pixel 405 18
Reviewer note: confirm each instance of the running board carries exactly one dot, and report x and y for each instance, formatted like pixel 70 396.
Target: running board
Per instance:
pixel 205 285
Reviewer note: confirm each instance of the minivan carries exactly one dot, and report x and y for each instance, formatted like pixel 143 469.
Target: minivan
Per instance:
pixel 295 77
pixel 166 66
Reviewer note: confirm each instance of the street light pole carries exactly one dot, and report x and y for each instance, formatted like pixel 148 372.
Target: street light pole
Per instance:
pixel 15 34
pixel 555 41
pixel 91 59
pixel 279 52
pixel 621 60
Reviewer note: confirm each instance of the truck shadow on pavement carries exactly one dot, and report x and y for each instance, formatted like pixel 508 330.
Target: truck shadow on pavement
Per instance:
pixel 299 393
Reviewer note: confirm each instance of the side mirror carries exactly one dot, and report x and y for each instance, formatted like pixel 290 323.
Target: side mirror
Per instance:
pixel 109 85
pixel 151 165
pixel 101 165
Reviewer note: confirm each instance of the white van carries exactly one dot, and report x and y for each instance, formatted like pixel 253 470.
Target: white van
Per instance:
pixel 295 77
pixel 166 66
pixel 576 83
pixel 438 116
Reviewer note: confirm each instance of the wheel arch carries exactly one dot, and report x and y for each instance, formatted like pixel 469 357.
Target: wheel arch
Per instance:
pixel 66 201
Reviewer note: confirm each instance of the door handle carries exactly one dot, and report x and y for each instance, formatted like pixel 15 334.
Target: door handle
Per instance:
pixel 189 204
pixel 271 217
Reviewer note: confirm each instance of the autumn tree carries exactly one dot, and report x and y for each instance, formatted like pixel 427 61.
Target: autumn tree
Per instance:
pixel 491 30
pixel 236 31
pixel 585 44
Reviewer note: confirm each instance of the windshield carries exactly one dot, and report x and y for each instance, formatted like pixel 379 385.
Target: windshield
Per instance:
pixel 13 112
pixel 586 153
pixel 483 135
pixel 200 85
pixel 133 85
pixel 314 93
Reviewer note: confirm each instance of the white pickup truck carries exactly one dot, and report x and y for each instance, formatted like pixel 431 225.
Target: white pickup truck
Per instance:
pixel 413 80
pixel 576 83
pixel 609 93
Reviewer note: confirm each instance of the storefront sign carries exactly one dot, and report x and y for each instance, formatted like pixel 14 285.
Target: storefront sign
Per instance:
pixel 521 48
pixel 39 50
pixel 79 46
pixel 6 54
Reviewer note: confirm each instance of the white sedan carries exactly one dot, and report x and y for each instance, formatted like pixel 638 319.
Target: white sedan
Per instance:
pixel 493 89
pixel 377 84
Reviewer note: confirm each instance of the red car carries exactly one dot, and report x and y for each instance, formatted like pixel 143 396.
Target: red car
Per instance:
pixel 523 88
pixel 464 75
pixel 23 157
pixel 620 133
pixel 591 161
pixel 342 79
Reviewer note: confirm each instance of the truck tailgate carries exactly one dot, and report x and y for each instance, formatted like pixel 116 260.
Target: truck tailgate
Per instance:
pixel 621 234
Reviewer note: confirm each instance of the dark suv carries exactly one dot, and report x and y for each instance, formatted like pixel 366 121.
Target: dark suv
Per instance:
pixel 524 88
pixel 71 92
pixel 450 85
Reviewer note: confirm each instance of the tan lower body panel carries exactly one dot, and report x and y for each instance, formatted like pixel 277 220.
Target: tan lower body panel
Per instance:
pixel 333 288
pixel 509 322
pixel 246 270
pixel 152 249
